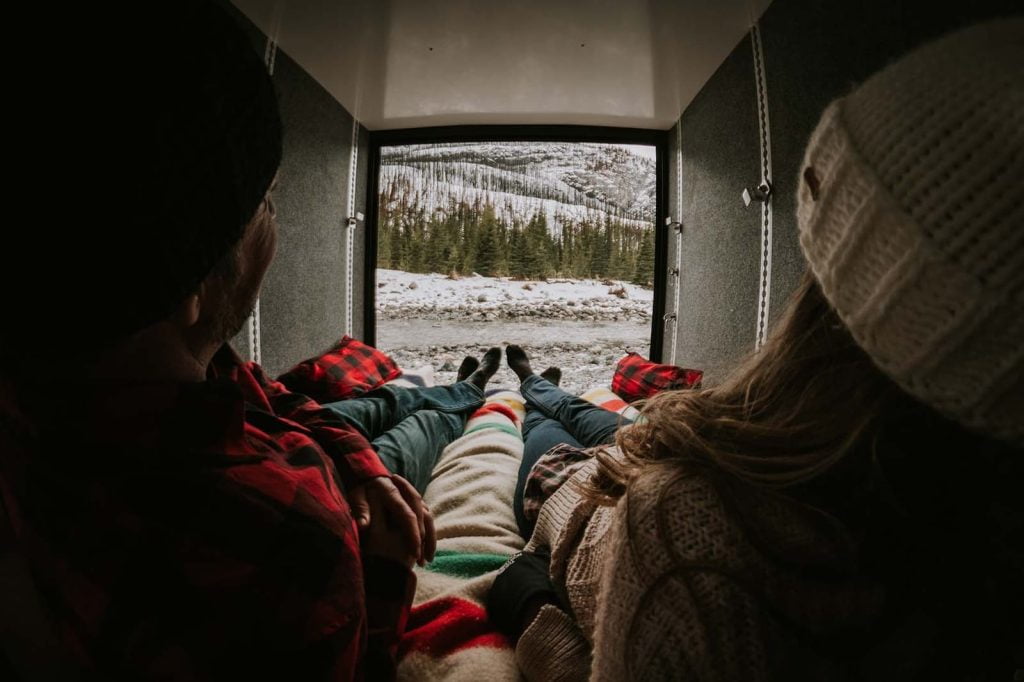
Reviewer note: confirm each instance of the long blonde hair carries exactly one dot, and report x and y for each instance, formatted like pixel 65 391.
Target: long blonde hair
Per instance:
pixel 788 413
pixel 811 422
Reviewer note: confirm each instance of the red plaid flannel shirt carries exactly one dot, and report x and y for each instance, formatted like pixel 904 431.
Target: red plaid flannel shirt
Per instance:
pixel 199 531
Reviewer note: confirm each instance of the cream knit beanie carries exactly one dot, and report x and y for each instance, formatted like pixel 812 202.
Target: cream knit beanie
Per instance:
pixel 911 215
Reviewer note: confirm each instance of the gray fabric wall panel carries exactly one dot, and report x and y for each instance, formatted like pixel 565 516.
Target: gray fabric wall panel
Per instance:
pixel 303 297
pixel 302 303
pixel 721 237
pixel 814 52
pixel 817 51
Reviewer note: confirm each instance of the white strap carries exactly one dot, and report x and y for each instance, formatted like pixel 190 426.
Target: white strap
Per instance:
pixel 350 228
pixel 764 131
pixel 675 319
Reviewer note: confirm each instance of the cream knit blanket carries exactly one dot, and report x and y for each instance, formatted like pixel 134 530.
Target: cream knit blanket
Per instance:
pixel 448 635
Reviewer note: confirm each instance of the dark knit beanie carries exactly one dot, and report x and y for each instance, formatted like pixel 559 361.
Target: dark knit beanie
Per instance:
pixel 169 138
pixel 205 145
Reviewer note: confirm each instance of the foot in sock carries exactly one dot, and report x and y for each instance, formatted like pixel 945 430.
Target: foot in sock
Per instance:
pixel 482 374
pixel 518 362
pixel 552 374
pixel 468 366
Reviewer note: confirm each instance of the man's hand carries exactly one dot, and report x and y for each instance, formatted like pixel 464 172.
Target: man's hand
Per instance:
pixel 393 520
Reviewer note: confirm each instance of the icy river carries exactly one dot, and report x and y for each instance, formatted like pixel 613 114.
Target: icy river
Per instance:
pixel 394 334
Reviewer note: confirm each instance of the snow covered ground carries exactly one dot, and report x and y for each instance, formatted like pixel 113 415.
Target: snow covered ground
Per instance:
pixel 582 326
pixel 405 295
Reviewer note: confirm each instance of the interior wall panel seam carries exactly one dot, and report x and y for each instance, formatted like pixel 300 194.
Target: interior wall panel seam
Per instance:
pixel 764 133
pixel 270 55
pixel 350 227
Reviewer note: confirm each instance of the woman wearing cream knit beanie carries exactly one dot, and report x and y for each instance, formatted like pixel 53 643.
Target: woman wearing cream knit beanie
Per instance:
pixel 846 504
pixel 911 215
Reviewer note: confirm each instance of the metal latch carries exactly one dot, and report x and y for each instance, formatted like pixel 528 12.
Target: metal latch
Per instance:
pixel 759 193
pixel 351 221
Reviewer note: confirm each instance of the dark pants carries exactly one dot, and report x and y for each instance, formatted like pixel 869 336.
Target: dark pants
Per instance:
pixel 409 427
pixel 554 417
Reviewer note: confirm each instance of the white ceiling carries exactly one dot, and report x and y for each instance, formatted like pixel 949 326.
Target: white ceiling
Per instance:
pixel 414 63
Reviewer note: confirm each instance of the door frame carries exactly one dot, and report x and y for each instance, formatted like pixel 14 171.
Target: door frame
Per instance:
pixel 659 139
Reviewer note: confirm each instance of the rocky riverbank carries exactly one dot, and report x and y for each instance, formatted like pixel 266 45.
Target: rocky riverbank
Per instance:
pixel 582 326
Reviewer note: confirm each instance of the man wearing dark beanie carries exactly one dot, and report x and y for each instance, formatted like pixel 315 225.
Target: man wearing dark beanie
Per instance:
pixel 184 516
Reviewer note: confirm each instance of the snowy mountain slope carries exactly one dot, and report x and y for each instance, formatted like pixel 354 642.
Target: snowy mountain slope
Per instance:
pixel 574 181
pixel 509 206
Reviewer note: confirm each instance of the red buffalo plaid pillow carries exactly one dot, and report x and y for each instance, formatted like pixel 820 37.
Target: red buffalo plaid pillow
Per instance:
pixel 636 378
pixel 348 370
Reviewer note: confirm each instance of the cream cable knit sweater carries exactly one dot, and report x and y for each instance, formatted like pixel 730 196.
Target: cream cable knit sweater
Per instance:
pixel 691 595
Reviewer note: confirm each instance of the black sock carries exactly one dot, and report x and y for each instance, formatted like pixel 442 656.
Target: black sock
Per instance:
pixel 487 368
pixel 552 374
pixel 468 366
pixel 518 362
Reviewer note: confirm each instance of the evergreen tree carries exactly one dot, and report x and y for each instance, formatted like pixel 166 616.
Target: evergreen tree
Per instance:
pixel 644 273
pixel 565 254
pixel 517 256
pixel 416 253
pixel 601 251
pixel 434 246
pixel 469 241
pixel 539 247
pixel 450 250
pixel 384 241
pixel 487 247
pixel 501 267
